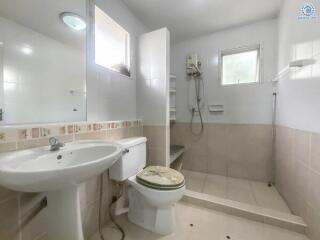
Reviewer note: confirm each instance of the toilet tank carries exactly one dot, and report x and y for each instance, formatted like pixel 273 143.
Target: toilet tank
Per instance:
pixel 132 161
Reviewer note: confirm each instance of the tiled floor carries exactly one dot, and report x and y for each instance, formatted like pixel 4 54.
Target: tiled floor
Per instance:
pixel 206 225
pixel 250 192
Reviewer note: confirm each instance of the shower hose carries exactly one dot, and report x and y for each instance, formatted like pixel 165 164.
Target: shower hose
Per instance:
pixel 198 100
pixel 110 212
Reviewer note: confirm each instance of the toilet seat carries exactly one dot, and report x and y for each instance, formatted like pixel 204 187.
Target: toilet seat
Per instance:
pixel 160 178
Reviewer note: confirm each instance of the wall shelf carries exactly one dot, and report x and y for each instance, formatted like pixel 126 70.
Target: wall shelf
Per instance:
pixel 173 91
pixel 175 152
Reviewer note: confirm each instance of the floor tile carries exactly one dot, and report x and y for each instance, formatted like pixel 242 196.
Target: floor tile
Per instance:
pixel 250 192
pixel 268 197
pixel 193 222
pixel 215 185
pixel 240 190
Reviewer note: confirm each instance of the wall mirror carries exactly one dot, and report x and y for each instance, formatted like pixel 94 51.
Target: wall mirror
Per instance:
pixel 42 61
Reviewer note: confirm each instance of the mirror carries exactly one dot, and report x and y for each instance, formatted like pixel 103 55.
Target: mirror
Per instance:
pixel 42 61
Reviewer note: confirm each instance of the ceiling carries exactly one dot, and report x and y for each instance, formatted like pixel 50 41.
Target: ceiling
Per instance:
pixel 43 16
pixel 190 18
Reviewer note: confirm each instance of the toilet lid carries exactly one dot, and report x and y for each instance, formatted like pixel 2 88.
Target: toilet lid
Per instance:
pixel 161 178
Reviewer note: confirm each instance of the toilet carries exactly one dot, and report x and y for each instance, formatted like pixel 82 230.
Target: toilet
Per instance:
pixel 153 191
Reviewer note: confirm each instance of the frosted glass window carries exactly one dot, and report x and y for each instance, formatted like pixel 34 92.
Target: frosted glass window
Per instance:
pixel 112 44
pixel 239 67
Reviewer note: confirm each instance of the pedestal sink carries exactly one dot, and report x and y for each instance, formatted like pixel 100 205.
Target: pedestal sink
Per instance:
pixel 58 174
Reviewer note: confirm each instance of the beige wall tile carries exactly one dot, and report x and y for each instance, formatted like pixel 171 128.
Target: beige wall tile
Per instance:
pixel 21 145
pixel 313 190
pixel 177 133
pixel 9 219
pixel 284 144
pixel 302 141
pixel 6 194
pixel 7 147
pixel 198 145
pixel 156 157
pixel 260 171
pixel 116 134
pixel 37 227
pixel 217 163
pixel 100 135
pixel 237 170
pixel 313 223
pixel 157 145
pixel 239 150
pixel 315 152
pixel 298 200
pixel 135 132
pixel 217 147
pixel 195 162
pixel 297 175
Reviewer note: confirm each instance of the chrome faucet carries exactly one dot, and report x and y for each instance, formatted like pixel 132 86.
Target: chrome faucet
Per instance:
pixel 55 145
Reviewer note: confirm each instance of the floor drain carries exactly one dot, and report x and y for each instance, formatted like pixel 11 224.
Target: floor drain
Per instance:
pixel 228 237
pixel 191 224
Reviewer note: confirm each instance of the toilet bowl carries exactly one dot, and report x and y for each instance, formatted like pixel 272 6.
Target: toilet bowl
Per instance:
pixel 153 191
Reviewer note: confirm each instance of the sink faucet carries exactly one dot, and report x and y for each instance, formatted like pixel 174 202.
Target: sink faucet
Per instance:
pixel 55 145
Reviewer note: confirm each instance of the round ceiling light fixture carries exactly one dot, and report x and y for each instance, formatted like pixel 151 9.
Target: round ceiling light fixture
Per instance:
pixel 73 21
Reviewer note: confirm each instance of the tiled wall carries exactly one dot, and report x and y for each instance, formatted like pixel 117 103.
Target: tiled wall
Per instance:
pixel 157 154
pixel 110 95
pixel 235 150
pixel 27 77
pixel 246 103
pixel 12 204
pixel 297 152
pixel 298 174
pixel 152 93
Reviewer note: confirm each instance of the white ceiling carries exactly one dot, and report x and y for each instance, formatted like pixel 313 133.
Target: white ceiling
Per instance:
pixel 189 18
pixel 43 16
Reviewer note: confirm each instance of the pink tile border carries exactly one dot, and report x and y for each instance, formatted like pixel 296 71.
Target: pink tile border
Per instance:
pixel 27 132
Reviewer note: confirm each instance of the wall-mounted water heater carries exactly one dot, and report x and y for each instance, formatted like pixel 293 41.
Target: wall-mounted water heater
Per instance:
pixel 193 64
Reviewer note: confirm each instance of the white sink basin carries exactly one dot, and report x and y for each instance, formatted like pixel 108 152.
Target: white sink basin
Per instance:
pixel 59 175
pixel 39 170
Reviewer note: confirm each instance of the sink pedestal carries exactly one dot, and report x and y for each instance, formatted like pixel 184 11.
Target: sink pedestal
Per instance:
pixel 64 214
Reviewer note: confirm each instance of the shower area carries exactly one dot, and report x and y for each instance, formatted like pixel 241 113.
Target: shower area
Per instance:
pixel 227 131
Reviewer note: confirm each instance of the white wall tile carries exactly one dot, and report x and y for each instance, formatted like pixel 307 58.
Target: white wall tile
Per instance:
pixel 112 96
pixel 153 78
pixel 243 104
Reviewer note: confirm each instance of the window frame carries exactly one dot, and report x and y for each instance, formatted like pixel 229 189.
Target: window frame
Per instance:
pixel 243 49
pixel 128 46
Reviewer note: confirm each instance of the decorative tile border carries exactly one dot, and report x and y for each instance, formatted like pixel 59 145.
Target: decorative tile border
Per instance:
pixel 29 132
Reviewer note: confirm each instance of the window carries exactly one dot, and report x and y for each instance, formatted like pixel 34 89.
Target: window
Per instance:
pixel 112 44
pixel 239 66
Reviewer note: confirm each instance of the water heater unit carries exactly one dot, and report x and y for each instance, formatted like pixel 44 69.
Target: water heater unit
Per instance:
pixel 192 63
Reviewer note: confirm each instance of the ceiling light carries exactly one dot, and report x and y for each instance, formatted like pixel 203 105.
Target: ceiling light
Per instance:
pixel 27 50
pixel 73 21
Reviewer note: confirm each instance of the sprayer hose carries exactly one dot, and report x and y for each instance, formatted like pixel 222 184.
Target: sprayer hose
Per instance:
pixel 198 100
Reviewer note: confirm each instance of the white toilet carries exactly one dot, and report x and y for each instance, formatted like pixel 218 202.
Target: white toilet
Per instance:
pixel 153 192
